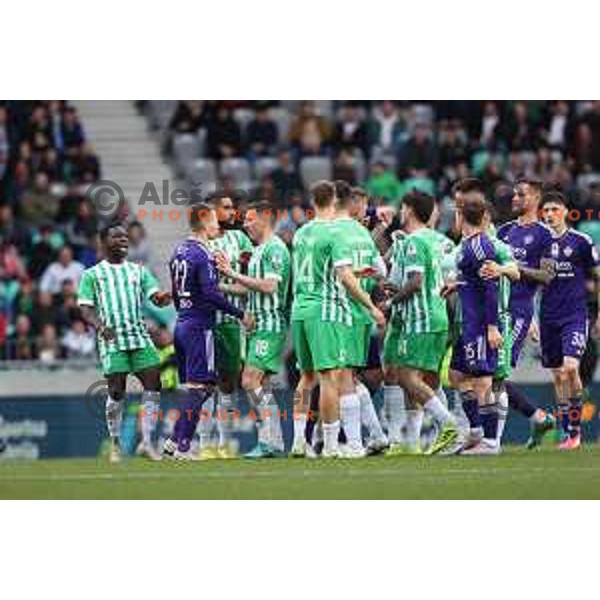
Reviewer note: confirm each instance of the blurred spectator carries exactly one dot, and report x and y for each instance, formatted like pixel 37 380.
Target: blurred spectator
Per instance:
pixel 86 167
pixel 20 343
pixel 139 246
pixel 383 183
pixel 224 137
pixel 78 342
pixel 387 127
pixel 343 167
pixel 48 348
pixel 39 205
pixel 417 157
pixel 44 311
pixel 351 131
pixel 189 116
pixel 309 133
pixel 13 232
pixel 558 125
pixel 4 143
pixel 520 128
pixel 83 227
pixel 261 133
pixel 65 268
pixel 72 132
pixel 285 178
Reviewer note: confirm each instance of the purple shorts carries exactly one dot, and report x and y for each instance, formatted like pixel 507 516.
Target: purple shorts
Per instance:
pixel 520 329
pixel 563 338
pixel 195 351
pixel 471 355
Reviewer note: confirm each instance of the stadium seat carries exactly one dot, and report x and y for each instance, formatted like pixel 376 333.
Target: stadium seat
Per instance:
pixel 264 166
pixel 202 173
pixel 315 168
pixel 283 118
pixel 243 116
pixel 238 170
pixel 186 148
pixel 587 180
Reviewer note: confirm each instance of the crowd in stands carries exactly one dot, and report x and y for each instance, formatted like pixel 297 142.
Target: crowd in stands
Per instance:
pixel 47 230
pixel 390 147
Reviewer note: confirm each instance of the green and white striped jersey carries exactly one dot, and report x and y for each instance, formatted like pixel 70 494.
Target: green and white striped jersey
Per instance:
pixel 318 248
pixel 396 275
pixel 425 310
pixel 117 291
pixel 233 243
pixel 270 260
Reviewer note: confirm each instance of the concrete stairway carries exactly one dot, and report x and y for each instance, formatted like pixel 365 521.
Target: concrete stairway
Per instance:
pixel 130 157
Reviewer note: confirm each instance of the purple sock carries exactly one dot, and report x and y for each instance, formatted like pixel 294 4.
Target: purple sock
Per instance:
pixel 471 408
pixel 517 400
pixel 489 421
pixel 188 419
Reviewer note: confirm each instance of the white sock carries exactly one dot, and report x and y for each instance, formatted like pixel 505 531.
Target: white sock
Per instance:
pixel 261 399
pixel 300 428
pixel 317 435
pixel 368 416
pixel 224 424
pixel 331 431
pixel 114 417
pixel 393 397
pixel 350 418
pixel 437 410
pixel 414 422
pixel 150 416
pixel 502 413
pixel 205 424
pixel 441 394
pixel 275 423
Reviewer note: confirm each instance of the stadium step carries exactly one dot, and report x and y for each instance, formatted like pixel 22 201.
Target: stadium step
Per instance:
pixel 130 156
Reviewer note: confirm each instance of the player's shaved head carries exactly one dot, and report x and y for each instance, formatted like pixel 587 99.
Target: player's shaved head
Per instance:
pixel 421 205
pixel 323 194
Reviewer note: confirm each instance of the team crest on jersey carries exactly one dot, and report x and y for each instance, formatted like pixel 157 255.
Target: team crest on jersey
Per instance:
pixel 411 250
pixel 568 251
pixel 527 239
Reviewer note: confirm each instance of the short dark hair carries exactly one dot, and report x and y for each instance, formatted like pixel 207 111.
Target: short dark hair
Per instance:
pixel 105 229
pixel 468 185
pixel 553 196
pixel 323 193
pixel 421 203
pixel 343 192
pixel 198 211
pixel 264 208
pixel 359 191
pixel 473 209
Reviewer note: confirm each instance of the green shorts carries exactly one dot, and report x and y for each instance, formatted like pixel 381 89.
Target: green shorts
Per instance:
pixel 504 368
pixel 391 346
pixel 129 361
pixel 265 350
pixel 230 348
pixel 423 351
pixel 359 346
pixel 321 345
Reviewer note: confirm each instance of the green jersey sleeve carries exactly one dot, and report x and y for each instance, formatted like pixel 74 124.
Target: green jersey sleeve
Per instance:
pixel 503 252
pixel 149 283
pixel 341 252
pixel 86 295
pixel 244 242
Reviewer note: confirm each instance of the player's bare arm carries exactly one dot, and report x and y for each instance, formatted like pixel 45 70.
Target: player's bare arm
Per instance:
pixel 89 316
pixel 413 285
pixel 352 285
pixel 492 270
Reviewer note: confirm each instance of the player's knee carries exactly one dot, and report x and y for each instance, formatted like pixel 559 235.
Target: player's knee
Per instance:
pixel 570 366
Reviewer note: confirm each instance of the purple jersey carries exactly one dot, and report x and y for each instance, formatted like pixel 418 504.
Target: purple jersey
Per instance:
pixel 194 281
pixel 573 257
pixel 529 242
pixel 478 297
pixel 478 300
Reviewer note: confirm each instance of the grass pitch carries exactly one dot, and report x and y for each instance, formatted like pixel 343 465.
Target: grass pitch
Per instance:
pixel 516 474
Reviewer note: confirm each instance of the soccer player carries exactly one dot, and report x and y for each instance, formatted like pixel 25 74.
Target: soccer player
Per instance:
pixel 529 240
pixel 267 283
pixel 111 295
pixel 322 317
pixel 475 352
pixel 197 298
pixel 424 331
pixel 230 342
pixel 356 404
pixel 572 260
